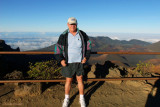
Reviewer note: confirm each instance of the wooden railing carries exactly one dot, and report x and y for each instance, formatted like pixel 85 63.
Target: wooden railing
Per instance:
pixel 131 53
pixel 89 79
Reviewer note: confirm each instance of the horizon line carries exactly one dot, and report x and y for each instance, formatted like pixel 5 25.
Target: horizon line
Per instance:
pixel 61 32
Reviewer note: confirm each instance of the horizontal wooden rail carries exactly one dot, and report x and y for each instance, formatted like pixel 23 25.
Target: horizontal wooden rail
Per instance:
pixel 4 52
pixel 133 53
pixel 89 79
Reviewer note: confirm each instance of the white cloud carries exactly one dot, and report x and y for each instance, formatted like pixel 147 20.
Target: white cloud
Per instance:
pixel 115 38
pixel 150 40
pixel 31 43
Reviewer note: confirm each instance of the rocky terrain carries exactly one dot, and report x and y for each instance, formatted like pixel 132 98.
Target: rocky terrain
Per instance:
pixel 5 47
pixel 97 94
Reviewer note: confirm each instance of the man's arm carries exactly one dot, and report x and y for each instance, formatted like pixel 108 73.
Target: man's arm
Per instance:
pixel 58 51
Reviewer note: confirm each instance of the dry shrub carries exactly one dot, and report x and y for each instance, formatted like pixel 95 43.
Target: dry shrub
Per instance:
pixel 44 70
pixel 145 68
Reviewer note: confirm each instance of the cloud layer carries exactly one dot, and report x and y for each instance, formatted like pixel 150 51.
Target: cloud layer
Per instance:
pixel 31 43
pixel 36 40
pixel 29 40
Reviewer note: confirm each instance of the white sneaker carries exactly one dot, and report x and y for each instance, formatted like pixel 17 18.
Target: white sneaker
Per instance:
pixel 65 103
pixel 82 102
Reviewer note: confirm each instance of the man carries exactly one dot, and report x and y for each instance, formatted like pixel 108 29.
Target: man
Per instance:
pixel 73 50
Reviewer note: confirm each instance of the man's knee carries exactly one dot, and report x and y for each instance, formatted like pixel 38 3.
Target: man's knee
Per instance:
pixel 80 78
pixel 69 80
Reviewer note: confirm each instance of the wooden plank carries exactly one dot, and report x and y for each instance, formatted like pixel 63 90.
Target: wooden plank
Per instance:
pixel 131 53
pixel 89 79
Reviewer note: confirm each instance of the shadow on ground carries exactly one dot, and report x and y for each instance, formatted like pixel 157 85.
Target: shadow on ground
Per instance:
pixel 153 98
pixel 100 72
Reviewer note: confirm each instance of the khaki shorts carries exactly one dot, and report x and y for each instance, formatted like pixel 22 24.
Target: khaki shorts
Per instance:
pixel 71 69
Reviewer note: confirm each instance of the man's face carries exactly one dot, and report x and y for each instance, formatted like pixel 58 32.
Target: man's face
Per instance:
pixel 72 27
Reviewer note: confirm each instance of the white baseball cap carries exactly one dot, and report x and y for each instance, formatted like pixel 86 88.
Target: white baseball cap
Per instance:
pixel 72 20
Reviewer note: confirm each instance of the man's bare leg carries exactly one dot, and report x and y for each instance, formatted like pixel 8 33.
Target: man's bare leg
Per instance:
pixel 68 85
pixel 81 90
pixel 67 91
pixel 80 84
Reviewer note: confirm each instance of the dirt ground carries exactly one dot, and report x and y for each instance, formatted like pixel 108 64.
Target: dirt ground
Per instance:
pixel 97 94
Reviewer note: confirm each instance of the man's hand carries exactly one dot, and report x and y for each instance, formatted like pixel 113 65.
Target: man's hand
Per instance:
pixel 84 60
pixel 63 63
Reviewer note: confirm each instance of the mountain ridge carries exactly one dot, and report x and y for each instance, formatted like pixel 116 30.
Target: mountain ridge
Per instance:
pixel 155 47
pixel 106 44
pixel 105 41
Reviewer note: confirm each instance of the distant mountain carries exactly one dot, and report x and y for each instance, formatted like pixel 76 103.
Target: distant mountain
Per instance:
pixel 110 41
pixel 5 47
pixel 155 47
pixel 107 44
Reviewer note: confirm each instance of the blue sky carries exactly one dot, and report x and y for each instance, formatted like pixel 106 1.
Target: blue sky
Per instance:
pixel 127 16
